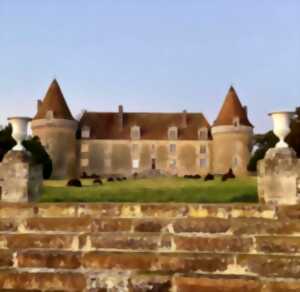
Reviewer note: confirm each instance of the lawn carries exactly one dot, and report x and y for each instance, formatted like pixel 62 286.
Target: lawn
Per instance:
pixel 162 189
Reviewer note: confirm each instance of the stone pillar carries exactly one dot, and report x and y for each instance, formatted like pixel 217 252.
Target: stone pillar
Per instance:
pixel 279 172
pixel 279 177
pixel 20 178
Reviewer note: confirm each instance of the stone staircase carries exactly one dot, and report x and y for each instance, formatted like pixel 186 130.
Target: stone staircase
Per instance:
pixel 149 247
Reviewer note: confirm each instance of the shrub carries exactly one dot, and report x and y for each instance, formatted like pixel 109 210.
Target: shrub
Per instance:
pixel 97 181
pixel 39 155
pixel 228 175
pixel 209 176
pixel 74 182
pixel 84 175
pixel 110 179
pixel 33 145
pixel 95 176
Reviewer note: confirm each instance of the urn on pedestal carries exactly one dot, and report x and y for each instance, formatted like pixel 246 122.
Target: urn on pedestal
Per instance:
pixel 20 177
pixel 279 171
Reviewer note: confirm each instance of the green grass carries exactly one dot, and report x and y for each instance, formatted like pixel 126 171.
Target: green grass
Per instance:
pixel 163 189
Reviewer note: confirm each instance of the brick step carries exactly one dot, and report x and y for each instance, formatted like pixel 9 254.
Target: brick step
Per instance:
pixel 152 242
pixel 235 226
pixel 11 280
pixel 146 210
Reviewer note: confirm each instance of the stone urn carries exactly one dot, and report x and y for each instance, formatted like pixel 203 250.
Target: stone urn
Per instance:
pixel 19 131
pixel 281 126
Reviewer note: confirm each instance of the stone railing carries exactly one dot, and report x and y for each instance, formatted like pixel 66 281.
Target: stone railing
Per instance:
pixel 149 247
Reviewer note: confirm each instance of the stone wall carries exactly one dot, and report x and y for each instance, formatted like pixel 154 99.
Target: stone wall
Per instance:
pixel 149 247
pixel 106 157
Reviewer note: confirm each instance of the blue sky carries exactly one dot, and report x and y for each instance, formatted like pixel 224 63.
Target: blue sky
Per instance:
pixel 151 55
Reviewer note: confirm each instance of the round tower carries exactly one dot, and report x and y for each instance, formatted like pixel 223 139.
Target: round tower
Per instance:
pixel 56 128
pixel 232 137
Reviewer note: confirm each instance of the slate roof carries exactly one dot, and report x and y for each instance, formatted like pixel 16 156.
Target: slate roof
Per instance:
pixel 231 109
pixel 153 126
pixel 54 101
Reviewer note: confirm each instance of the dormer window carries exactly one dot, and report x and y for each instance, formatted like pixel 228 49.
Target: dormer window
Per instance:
pixel 236 121
pixel 135 133
pixel 85 132
pixel 173 133
pixel 203 134
pixel 49 115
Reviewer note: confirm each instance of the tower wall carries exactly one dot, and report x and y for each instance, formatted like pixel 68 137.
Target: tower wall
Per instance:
pixel 58 136
pixel 231 149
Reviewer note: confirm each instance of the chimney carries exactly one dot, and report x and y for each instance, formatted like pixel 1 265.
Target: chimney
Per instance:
pixel 120 117
pixel 184 119
pixel 39 104
pixel 245 110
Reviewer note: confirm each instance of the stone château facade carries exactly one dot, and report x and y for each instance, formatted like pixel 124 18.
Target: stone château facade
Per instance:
pixel 123 143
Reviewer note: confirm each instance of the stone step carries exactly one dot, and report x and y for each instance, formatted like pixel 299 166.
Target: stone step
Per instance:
pixel 155 242
pixel 10 280
pixel 247 264
pixel 241 226
pixel 144 210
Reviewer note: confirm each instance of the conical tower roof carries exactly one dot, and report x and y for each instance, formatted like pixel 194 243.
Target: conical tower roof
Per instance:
pixel 231 109
pixel 54 101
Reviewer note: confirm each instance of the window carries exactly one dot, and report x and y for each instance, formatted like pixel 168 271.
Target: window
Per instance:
pixel 135 148
pixel 135 163
pixel 236 121
pixel 203 149
pixel 203 134
pixel 173 163
pixel 84 162
pixel 172 133
pixel 203 162
pixel 172 148
pixel 84 147
pixel 49 115
pixel 135 133
pixel 235 162
pixel 85 132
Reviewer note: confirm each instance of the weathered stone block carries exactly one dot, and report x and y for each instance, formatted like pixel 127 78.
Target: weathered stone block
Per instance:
pixel 185 284
pixel 264 226
pixel 110 225
pixel 122 261
pixel 271 266
pixel 205 263
pixel 201 225
pixel 20 177
pixel 119 241
pixel 288 286
pixel 54 241
pixel 6 258
pixel 64 281
pixel 279 177
pixel 213 244
pixel 150 284
pixel 282 244
pixel 48 259
pixel 79 224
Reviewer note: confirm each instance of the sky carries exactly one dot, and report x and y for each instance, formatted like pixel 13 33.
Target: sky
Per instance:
pixel 151 55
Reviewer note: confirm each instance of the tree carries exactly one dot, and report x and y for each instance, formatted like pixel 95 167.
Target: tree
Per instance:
pixel 262 143
pixel 268 140
pixel 33 145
